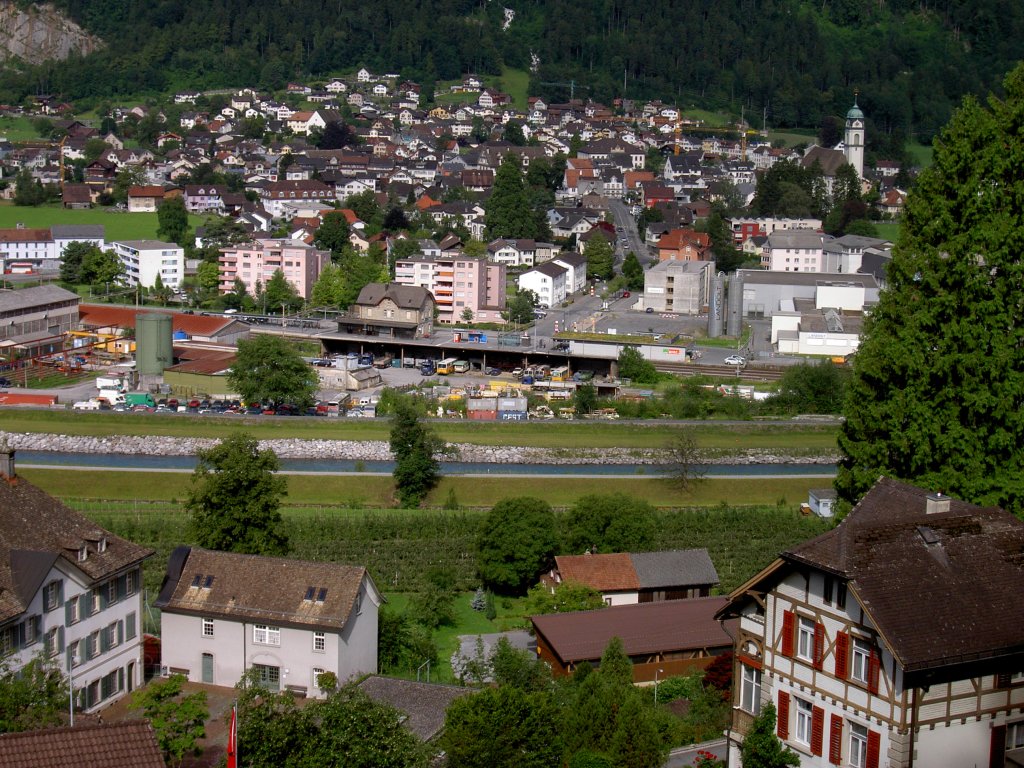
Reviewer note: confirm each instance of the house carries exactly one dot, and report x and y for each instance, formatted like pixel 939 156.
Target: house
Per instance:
pixel 223 614
pixel 684 245
pixel 102 745
pixel 640 577
pixel 256 262
pixel 794 250
pixel 670 637
pixel 392 310
pixel 71 591
pixel 36 318
pixel 76 196
pixel 458 283
pixel 575 265
pixel 893 639
pixel 548 281
pixel 204 198
pixel 679 286
pixel 144 199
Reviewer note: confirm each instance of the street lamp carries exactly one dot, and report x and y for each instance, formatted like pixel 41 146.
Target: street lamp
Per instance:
pixel 656 673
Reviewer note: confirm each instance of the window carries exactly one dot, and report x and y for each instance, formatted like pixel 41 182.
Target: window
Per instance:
pixel 92 645
pixel 805 639
pixel 861 660
pixel 129 625
pixel 74 614
pixel 8 638
pixel 841 594
pixel 319 641
pixel 804 716
pixel 858 746
pixel 207 627
pixel 269 677
pixel 109 639
pixel 265 635
pixel 1015 735
pixel 74 655
pixel 131 582
pixel 750 691
pixel 51 596
pixel 111 591
pixel 316 677
pixel 52 643
pixel 95 600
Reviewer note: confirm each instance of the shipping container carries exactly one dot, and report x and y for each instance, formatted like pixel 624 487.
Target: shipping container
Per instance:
pixel 14 398
pixel 482 415
pixel 511 403
pixel 513 415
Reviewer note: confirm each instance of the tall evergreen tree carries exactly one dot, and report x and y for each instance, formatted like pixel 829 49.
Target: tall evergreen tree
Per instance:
pixel 938 383
pixel 508 209
pixel 600 257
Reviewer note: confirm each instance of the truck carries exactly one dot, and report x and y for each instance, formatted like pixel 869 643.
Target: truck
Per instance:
pixel 384 361
pixel 112 396
pixel 139 398
pixel 110 382
pixel 94 404
pixel 427 368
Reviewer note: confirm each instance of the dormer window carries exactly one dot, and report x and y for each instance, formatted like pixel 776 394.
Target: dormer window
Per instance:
pixel 83 553
pixel 101 545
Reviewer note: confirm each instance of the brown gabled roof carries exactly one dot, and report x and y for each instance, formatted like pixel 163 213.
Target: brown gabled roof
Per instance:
pixel 254 588
pixel 404 296
pixel 36 531
pixel 942 588
pixel 605 573
pixel 644 628
pixel 112 745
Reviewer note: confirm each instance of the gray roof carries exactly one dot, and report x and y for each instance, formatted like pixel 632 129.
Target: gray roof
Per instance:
pixel 27 298
pixel 404 296
pixel 74 231
pixel 550 269
pixel 795 238
pixel 148 245
pixel 571 258
pixel 765 277
pixel 424 704
pixel 657 570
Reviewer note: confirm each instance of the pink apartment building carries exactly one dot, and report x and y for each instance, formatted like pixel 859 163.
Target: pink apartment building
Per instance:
pixel 257 261
pixel 457 283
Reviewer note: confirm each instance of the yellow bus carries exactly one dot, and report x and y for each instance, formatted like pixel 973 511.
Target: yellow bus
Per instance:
pixel 447 366
pixel 560 374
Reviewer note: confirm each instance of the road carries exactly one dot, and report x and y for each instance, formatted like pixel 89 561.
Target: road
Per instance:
pixel 623 218
pixel 684 756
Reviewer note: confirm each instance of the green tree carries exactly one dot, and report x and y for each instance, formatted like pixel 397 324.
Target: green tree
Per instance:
pixel 71 261
pixel 100 267
pixel 937 378
pixel 508 208
pixel 635 367
pixel 609 523
pixel 179 721
pixel 329 288
pixel 761 748
pixel 568 596
pixel 585 398
pixel 269 369
pixel 332 234
pixel 28 190
pixel 281 293
pixel 633 271
pixel 600 257
pixel 173 221
pixel 235 498
pixel 434 605
pixel 467 315
pixel 159 292
pixel 414 446
pixel 516 544
pixel 365 206
pixel 811 388
pixel 128 176
pixel 518 667
pixel 684 468
pixel 503 727
pixel 208 275
pixel 32 697
pixel 519 307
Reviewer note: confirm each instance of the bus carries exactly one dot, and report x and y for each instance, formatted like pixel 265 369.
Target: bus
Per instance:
pixel 560 374
pixel 446 366
pixel 461 366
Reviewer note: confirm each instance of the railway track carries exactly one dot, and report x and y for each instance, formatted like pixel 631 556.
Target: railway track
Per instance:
pixel 748 373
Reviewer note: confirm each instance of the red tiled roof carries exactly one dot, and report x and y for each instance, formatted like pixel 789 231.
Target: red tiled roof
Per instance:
pixel 605 573
pixel 25 235
pixel 644 628
pixel 111 745
pixel 103 316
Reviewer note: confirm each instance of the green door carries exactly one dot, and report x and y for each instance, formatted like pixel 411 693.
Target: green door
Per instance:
pixel 208 668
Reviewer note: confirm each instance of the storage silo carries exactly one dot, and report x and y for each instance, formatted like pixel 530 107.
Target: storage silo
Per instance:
pixel 734 320
pixel 716 313
pixel 154 349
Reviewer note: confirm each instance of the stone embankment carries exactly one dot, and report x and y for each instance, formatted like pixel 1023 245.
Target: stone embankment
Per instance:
pixel 377 450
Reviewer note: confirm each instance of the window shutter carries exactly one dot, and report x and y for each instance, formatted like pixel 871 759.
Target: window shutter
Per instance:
pixel 122 587
pixel 874 667
pixel 782 727
pixel 788 633
pixel 842 655
pixel 67 612
pixel 103 597
pixel 817 729
pixel 60 639
pixel 120 632
pixel 104 647
pixel 819 645
pixel 835 741
pixel 1003 680
pixel 997 747
pixel 60 593
pixel 874 747
pixel 130 627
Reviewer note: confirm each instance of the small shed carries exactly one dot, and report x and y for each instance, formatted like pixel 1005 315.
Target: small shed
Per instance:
pixel 822 501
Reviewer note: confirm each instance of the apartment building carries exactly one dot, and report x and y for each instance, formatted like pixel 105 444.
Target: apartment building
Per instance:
pixel 256 262
pixel 143 260
pixel 458 283
pixel 794 250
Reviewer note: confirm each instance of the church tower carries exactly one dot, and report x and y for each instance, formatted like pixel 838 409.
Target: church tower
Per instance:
pixel 853 141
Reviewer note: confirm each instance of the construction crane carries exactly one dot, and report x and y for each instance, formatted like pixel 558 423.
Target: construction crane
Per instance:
pixel 571 85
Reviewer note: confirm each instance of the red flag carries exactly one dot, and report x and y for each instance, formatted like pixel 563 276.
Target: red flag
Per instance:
pixel 233 739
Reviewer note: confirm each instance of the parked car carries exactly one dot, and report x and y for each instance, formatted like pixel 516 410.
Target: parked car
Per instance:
pixel 735 360
pixel 4 381
pixel 494 372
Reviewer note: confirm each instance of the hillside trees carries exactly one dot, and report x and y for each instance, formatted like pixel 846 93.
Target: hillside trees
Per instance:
pixel 609 523
pixel 414 446
pixel 600 257
pixel 509 213
pixel 517 542
pixel 937 380
pixel 173 221
pixel 268 369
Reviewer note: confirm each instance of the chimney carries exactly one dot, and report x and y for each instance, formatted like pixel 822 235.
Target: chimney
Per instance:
pixel 936 503
pixel 7 462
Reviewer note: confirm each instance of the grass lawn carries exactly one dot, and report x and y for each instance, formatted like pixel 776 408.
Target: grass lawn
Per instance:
pixel 890 230
pixel 711 119
pixel 920 153
pixel 307 492
pixel 793 137
pixel 117 225
pixel 515 82
pixel 800 439
pixel 16 129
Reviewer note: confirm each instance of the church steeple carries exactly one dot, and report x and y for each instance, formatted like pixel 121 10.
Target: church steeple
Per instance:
pixel 854 137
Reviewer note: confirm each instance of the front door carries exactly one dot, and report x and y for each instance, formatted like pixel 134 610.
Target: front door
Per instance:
pixel 207 667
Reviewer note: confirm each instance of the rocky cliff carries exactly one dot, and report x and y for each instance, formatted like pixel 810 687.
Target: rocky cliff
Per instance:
pixel 40 33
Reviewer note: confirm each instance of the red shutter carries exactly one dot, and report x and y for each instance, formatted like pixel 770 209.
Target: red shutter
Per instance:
pixel 835 741
pixel 997 748
pixel 819 645
pixel 842 655
pixel 782 728
pixel 817 729
pixel 874 747
pixel 788 633
pixel 874 667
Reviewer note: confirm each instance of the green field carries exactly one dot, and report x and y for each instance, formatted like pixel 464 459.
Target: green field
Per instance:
pixel 117 225
pixel 515 82
pixel 890 230
pixel 16 129
pixel 793 137
pixel 920 153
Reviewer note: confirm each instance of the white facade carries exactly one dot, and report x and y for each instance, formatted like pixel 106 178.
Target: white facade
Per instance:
pixel 576 273
pixel 548 281
pixel 853 139
pixel 143 260
pixel 794 251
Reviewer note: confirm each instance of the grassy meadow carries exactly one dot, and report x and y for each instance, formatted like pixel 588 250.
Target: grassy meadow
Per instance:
pixel 118 225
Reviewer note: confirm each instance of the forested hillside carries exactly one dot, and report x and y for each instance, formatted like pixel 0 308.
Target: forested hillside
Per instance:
pixel 789 61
